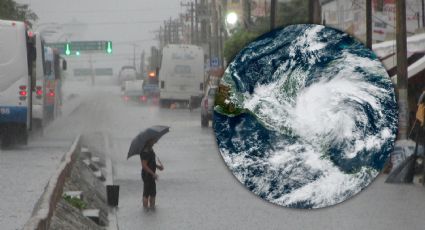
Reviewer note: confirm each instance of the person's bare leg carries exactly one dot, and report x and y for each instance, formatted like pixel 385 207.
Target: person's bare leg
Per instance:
pixel 152 202
pixel 145 202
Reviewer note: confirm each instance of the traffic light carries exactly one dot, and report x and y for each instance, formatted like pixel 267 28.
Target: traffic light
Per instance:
pixel 109 47
pixel 77 53
pixel 67 49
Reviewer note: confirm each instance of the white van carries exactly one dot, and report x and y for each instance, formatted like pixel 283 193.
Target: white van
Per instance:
pixel 181 74
pixel 18 54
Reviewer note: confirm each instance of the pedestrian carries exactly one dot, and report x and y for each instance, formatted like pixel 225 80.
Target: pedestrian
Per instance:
pixel 149 166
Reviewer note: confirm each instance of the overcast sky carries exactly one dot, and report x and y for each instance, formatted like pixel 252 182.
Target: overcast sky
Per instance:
pixel 122 21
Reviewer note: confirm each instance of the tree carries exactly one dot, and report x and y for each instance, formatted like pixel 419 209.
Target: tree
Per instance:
pixel 10 10
pixel 293 12
pixel 236 42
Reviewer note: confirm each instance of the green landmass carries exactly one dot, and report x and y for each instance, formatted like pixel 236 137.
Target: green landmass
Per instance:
pixel 223 103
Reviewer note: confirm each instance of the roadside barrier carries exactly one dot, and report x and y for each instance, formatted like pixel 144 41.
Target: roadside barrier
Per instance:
pixel 43 211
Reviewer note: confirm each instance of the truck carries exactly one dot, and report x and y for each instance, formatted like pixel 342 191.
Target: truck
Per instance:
pixel 17 79
pixel 53 83
pixel 181 74
pixel 150 87
pixel 127 73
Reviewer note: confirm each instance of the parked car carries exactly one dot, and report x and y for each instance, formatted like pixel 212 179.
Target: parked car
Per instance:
pixel 207 105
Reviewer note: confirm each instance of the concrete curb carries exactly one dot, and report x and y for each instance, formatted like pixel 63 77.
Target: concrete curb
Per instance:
pixel 46 205
pixel 112 217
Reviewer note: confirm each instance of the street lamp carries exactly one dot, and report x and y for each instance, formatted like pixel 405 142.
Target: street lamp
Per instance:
pixel 232 18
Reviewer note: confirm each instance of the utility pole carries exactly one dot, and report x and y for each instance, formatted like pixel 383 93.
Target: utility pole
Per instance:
pixel 273 14
pixel 402 69
pixel 161 37
pixel 314 12
pixel 175 33
pixel 419 20
pixel 142 64
pixel 220 38
pixel 134 55
pixel 169 32
pixel 192 37
pixel 214 36
pixel 311 11
pixel 204 15
pixel 197 20
pixel 246 8
pixel 92 73
pixel 369 24
pixel 423 13
pixel 189 37
pixel 166 41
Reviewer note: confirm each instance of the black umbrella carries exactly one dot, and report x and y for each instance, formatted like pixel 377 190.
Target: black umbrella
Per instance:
pixel 139 142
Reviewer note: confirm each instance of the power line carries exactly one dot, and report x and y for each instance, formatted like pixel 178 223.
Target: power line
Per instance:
pixel 154 10
pixel 134 41
pixel 115 23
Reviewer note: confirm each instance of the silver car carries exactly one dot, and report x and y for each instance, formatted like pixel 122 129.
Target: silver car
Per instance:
pixel 207 105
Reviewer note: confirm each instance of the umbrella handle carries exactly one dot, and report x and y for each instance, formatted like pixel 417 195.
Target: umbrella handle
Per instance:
pixel 159 161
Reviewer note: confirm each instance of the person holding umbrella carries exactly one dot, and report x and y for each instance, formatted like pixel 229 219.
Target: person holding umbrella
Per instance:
pixel 149 166
pixel 142 145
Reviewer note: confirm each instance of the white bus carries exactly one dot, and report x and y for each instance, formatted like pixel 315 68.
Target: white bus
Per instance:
pixel 38 110
pixel 52 84
pixel 17 58
pixel 181 74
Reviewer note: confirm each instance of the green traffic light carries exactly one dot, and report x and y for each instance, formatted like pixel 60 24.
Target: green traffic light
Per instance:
pixel 67 49
pixel 77 53
pixel 109 47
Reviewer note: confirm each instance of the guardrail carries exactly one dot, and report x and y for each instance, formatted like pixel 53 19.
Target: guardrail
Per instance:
pixel 43 211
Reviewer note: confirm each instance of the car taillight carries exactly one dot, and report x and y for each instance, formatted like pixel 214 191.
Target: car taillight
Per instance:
pixel 51 93
pixel 23 92
pixel 143 98
pixel 126 98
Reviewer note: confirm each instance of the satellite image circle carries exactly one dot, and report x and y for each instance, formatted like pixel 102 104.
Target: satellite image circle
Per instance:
pixel 305 116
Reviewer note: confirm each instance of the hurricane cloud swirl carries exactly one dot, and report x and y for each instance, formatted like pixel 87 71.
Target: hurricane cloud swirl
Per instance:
pixel 317 120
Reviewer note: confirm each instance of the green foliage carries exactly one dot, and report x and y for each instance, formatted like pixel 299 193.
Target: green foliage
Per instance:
pixel 10 10
pixel 236 42
pixel 75 201
pixel 293 12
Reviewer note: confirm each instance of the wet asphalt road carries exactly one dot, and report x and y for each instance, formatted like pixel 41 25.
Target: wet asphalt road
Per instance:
pixel 197 191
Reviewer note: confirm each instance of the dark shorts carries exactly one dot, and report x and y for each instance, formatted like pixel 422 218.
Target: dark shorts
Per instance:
pixel 149 186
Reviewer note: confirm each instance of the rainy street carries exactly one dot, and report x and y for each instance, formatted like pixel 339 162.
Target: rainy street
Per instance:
pixel 319 111
pixel 196 190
